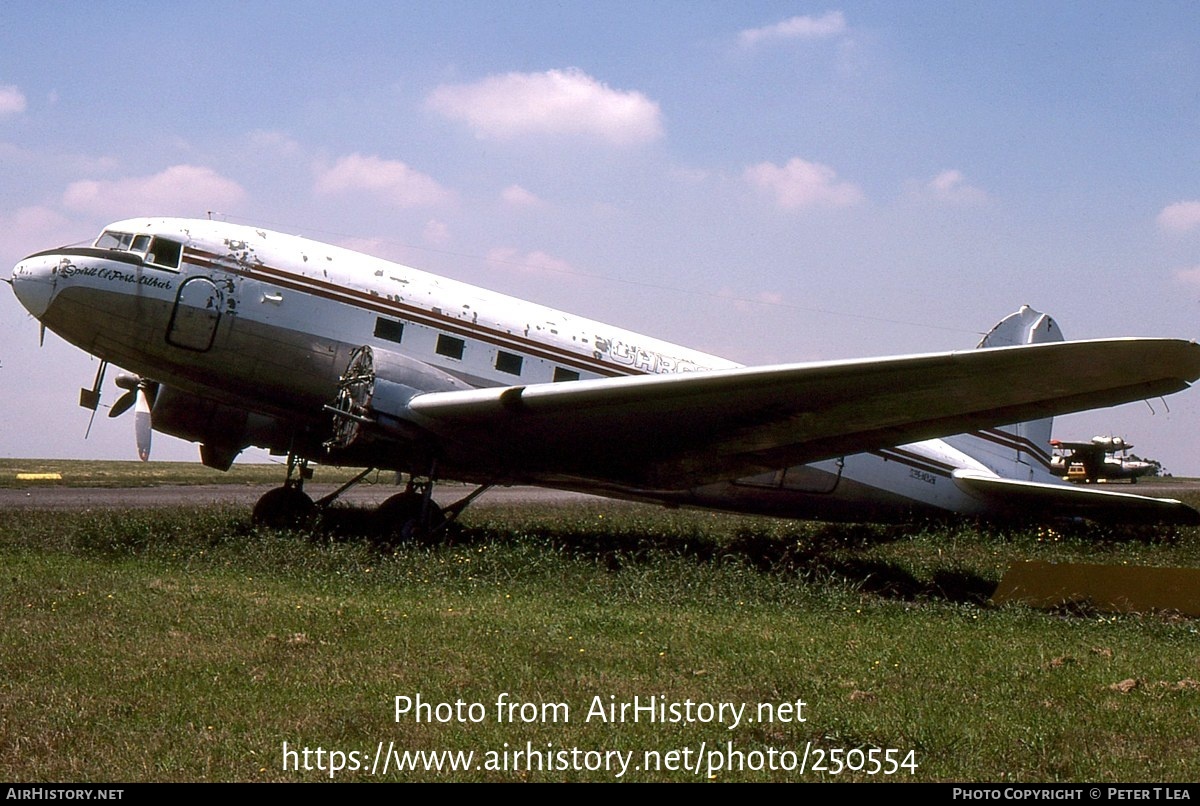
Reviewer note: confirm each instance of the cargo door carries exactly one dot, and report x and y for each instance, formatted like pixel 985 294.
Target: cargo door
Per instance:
pixel 196 315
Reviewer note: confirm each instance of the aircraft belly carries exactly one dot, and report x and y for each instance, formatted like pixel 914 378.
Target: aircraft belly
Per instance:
pixel 894 485
pixel 853 501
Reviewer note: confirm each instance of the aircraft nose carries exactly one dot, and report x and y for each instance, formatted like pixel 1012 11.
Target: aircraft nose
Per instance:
pixel 33 283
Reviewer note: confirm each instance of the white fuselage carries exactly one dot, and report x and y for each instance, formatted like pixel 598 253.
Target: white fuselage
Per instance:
pixel 251 329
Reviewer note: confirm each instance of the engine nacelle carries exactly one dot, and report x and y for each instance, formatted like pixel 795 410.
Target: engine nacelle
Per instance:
pixel 1111 444
pixel 222 430
pixel 373 394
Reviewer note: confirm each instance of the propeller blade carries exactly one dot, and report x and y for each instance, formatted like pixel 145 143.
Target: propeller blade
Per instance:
pixel 124 403
pixel 139 395
pixel 141 423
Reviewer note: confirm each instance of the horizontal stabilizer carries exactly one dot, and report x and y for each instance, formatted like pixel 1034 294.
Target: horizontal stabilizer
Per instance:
pixel 1040 501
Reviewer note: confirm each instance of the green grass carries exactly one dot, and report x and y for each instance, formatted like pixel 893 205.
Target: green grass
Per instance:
pixel 185 645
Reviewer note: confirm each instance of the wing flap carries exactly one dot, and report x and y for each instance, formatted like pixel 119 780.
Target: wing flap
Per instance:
pixel 676 431
pixel 1030 499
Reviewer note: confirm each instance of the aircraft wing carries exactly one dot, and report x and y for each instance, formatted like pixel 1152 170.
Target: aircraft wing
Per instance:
pixel 1078 446
pixel 677 431
pixel 1029 499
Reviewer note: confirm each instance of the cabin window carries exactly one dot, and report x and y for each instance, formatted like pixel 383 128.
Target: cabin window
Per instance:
pixel 561 374
pixel 450 347
pixel 389 329
pixel 165 253
pixel 509 362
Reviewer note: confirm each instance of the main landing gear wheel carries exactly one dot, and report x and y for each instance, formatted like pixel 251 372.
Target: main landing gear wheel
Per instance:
pixel 287 507
pixel 284 508
pixel 408 516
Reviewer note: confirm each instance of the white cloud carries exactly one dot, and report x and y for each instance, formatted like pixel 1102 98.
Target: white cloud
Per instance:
pixel 12 100
pixel 390 180
pixel 1189 276
pixel 829 24
pixel 436 232
pixel 31 229
pixel 553 102
pixel 180 189
pixel 534 262
pixel 951 186
pixel 517 196
pixel 803 184
pixel 1181 216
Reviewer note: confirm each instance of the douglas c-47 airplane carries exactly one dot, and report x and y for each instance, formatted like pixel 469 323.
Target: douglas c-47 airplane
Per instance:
pixel 239 336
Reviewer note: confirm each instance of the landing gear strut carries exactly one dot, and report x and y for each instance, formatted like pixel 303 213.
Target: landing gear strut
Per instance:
pixel 413 514
pixel 410 515
pixel 287 507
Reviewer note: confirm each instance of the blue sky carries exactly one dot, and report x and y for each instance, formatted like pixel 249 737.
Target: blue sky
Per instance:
pixel 766 181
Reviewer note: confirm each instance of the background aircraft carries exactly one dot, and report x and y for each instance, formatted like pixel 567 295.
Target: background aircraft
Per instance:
pixel 240 336
pixel 1098 461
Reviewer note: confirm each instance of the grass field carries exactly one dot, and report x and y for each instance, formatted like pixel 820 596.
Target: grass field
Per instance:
pixel 185 645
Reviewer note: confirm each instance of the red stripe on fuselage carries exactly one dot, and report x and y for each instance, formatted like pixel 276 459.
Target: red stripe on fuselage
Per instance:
pixel 411 313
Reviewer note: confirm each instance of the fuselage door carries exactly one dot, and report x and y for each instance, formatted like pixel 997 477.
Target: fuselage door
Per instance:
pixel 812 478
pixel 820 478
pixel 197 313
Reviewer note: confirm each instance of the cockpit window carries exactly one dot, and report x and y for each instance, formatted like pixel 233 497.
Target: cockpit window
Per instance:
pixel 114 240
pixel 162 252
pixel 165 252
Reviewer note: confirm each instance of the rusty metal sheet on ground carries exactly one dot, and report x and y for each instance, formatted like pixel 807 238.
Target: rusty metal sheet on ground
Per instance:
pixel 1109 588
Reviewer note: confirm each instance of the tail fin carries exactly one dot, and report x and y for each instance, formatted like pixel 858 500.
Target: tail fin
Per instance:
pixel 1026 326
pixel 1028 443
pixel 1020 455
